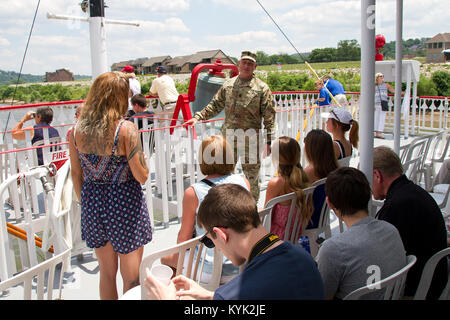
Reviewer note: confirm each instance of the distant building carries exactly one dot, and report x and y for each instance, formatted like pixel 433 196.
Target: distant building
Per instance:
pixel 59 75
pixel 150 65
pixel 438 48
pixel 180 64
pixel 120 65
pixel 185 64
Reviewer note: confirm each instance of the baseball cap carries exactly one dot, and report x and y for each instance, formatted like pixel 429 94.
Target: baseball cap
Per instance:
pixel 128 69
pixel 161 69
pixel 339 114
pixel 248 55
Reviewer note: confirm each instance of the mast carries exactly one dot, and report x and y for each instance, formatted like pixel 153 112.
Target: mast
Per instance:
pixel 97 35
pixel 366 101
pixel 97 32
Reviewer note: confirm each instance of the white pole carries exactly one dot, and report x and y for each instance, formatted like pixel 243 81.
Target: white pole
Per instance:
pixel 398 76
pixel 98 46
pixel 366 101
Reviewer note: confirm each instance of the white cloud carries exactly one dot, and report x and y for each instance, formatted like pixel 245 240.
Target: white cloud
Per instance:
pixel 244 38
pixel 168 26
pixel 4 42
pixel 181 27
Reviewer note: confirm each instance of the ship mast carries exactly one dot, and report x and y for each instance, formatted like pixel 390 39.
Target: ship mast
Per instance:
pixel 97 33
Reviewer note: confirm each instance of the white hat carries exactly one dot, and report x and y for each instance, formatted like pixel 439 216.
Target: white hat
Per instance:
pixel 339 114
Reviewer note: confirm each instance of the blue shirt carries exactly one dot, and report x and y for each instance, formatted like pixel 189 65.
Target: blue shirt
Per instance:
pixel 335 87
pixel 286 272
pixel 323 93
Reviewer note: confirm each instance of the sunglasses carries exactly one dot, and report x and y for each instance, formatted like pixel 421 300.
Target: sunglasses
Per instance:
pixel 207 241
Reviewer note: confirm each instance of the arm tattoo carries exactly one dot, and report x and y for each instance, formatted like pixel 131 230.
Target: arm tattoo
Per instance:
pixel 136 148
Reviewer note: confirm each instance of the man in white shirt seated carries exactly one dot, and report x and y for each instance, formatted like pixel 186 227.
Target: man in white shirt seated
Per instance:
pixel 164 88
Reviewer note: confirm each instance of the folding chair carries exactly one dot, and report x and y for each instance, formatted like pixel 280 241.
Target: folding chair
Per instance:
pixel 44 274
pixel 192 269
pixel 427 276
pixel 294 221
pixel 393 285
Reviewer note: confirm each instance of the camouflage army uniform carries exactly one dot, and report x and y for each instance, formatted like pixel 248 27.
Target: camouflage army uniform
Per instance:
pixel 247 103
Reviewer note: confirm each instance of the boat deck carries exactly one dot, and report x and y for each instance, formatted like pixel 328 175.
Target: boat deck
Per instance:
pixel 82 280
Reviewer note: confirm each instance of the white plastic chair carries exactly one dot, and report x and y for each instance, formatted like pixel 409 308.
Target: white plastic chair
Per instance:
pixel 345 162
pixel 191 269
pixel 437 153
pixel 411 169
pixel 393 285
pixel 294 217
pixel 427 276
pixel 323 225
pixel 441 194
pixel 44 273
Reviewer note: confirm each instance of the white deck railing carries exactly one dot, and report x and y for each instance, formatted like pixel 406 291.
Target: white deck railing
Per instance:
pixel 174 166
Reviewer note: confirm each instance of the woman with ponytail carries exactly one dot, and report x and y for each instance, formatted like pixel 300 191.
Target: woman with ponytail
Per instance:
pixel 291 178
pixel 339 122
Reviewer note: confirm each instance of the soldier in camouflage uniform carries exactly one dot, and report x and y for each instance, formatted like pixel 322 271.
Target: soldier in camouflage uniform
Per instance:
pixel 247 101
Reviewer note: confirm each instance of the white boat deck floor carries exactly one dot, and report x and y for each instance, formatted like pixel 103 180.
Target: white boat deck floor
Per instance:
pixel 82 281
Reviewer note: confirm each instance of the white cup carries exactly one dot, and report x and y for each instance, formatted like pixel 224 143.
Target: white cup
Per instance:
pixel 162 272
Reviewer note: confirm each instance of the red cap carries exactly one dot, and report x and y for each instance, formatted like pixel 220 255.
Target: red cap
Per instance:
pixel 128 69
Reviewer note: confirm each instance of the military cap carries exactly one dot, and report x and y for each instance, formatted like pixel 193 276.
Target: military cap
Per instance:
pixel 248 55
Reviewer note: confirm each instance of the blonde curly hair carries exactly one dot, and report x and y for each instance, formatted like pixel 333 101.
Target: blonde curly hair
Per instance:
pixel 106 102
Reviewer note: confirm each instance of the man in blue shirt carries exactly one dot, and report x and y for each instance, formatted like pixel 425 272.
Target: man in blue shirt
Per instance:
pixel 324 98
pixel 336 89
pixel 274 269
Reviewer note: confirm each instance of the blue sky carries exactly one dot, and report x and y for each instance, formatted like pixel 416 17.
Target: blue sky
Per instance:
pixel 180 27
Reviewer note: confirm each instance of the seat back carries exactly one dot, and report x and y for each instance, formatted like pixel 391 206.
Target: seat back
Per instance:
pixel 440 194
pixel 192 250
pixel 294 217
pixel 393 285
pixel 427 276
pixel 324 222
pixel 418 148
pixel 411 169
pixel 41 277
pixel 437 153
pixel 344 162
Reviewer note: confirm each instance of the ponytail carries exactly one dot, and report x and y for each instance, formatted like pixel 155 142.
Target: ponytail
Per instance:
pixel 354 135
pixel 297 181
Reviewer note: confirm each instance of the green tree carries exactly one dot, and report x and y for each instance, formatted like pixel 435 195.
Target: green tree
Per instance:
pixel 262 58
pixel 323 55
pixel 348 50
pixel 441 80
pixel 426 87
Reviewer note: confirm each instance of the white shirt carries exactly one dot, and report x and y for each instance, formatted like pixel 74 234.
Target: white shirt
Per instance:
pixel 164 87
pixel 135 86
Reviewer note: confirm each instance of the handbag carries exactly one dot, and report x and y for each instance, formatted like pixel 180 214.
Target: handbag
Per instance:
pixel 384 103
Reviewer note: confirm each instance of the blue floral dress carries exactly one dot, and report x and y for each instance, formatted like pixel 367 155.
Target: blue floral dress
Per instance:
pixel 113 206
